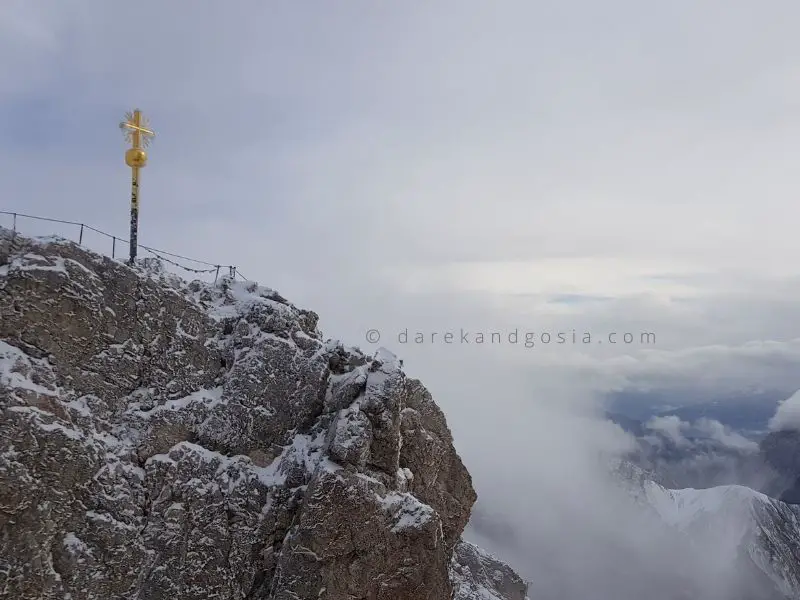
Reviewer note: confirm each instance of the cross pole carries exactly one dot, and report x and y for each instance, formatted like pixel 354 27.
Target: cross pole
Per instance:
pixel 138 135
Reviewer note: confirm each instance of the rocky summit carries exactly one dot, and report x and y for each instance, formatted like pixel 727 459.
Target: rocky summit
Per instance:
pixel 171 440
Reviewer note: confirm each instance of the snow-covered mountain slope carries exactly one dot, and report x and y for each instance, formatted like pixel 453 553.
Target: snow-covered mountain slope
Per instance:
pixel 765 532
pixel 165 440
pixel 733 524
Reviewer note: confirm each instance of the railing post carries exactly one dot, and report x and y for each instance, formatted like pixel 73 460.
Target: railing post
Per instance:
pixel 80 236
pixel 216 275
pixel 14 224
pixel 113 246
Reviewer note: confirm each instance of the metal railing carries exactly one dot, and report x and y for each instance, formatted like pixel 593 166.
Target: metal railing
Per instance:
pixel 160 254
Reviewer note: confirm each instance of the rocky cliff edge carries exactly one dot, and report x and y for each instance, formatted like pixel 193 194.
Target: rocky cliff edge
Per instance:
pixel 164 439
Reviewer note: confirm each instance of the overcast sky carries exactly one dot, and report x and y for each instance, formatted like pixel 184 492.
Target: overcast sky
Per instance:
pixel 615 166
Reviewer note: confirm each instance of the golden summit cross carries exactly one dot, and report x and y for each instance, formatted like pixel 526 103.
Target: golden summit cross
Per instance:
pixel 138 133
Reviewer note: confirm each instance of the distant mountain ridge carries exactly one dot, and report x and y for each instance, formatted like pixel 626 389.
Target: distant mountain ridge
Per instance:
pixel 781 451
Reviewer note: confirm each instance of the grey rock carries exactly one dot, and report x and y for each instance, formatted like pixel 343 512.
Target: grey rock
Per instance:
pixel 164 439
pixel 477 575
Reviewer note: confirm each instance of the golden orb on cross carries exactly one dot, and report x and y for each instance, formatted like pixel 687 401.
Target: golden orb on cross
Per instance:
pixel 135 157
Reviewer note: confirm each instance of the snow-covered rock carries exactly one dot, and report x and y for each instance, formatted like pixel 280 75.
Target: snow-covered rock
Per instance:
pixel 477 575
pixel 162 439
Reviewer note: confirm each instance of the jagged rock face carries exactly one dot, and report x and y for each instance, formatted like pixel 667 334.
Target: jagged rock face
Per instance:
pixel 480 576
pixel 170 440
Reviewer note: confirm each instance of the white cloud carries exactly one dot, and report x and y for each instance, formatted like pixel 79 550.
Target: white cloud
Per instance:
pixel 671 426
pixel 787 415
pixel 719 432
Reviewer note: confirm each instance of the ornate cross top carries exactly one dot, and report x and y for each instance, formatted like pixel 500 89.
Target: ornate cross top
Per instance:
pixel 136 129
